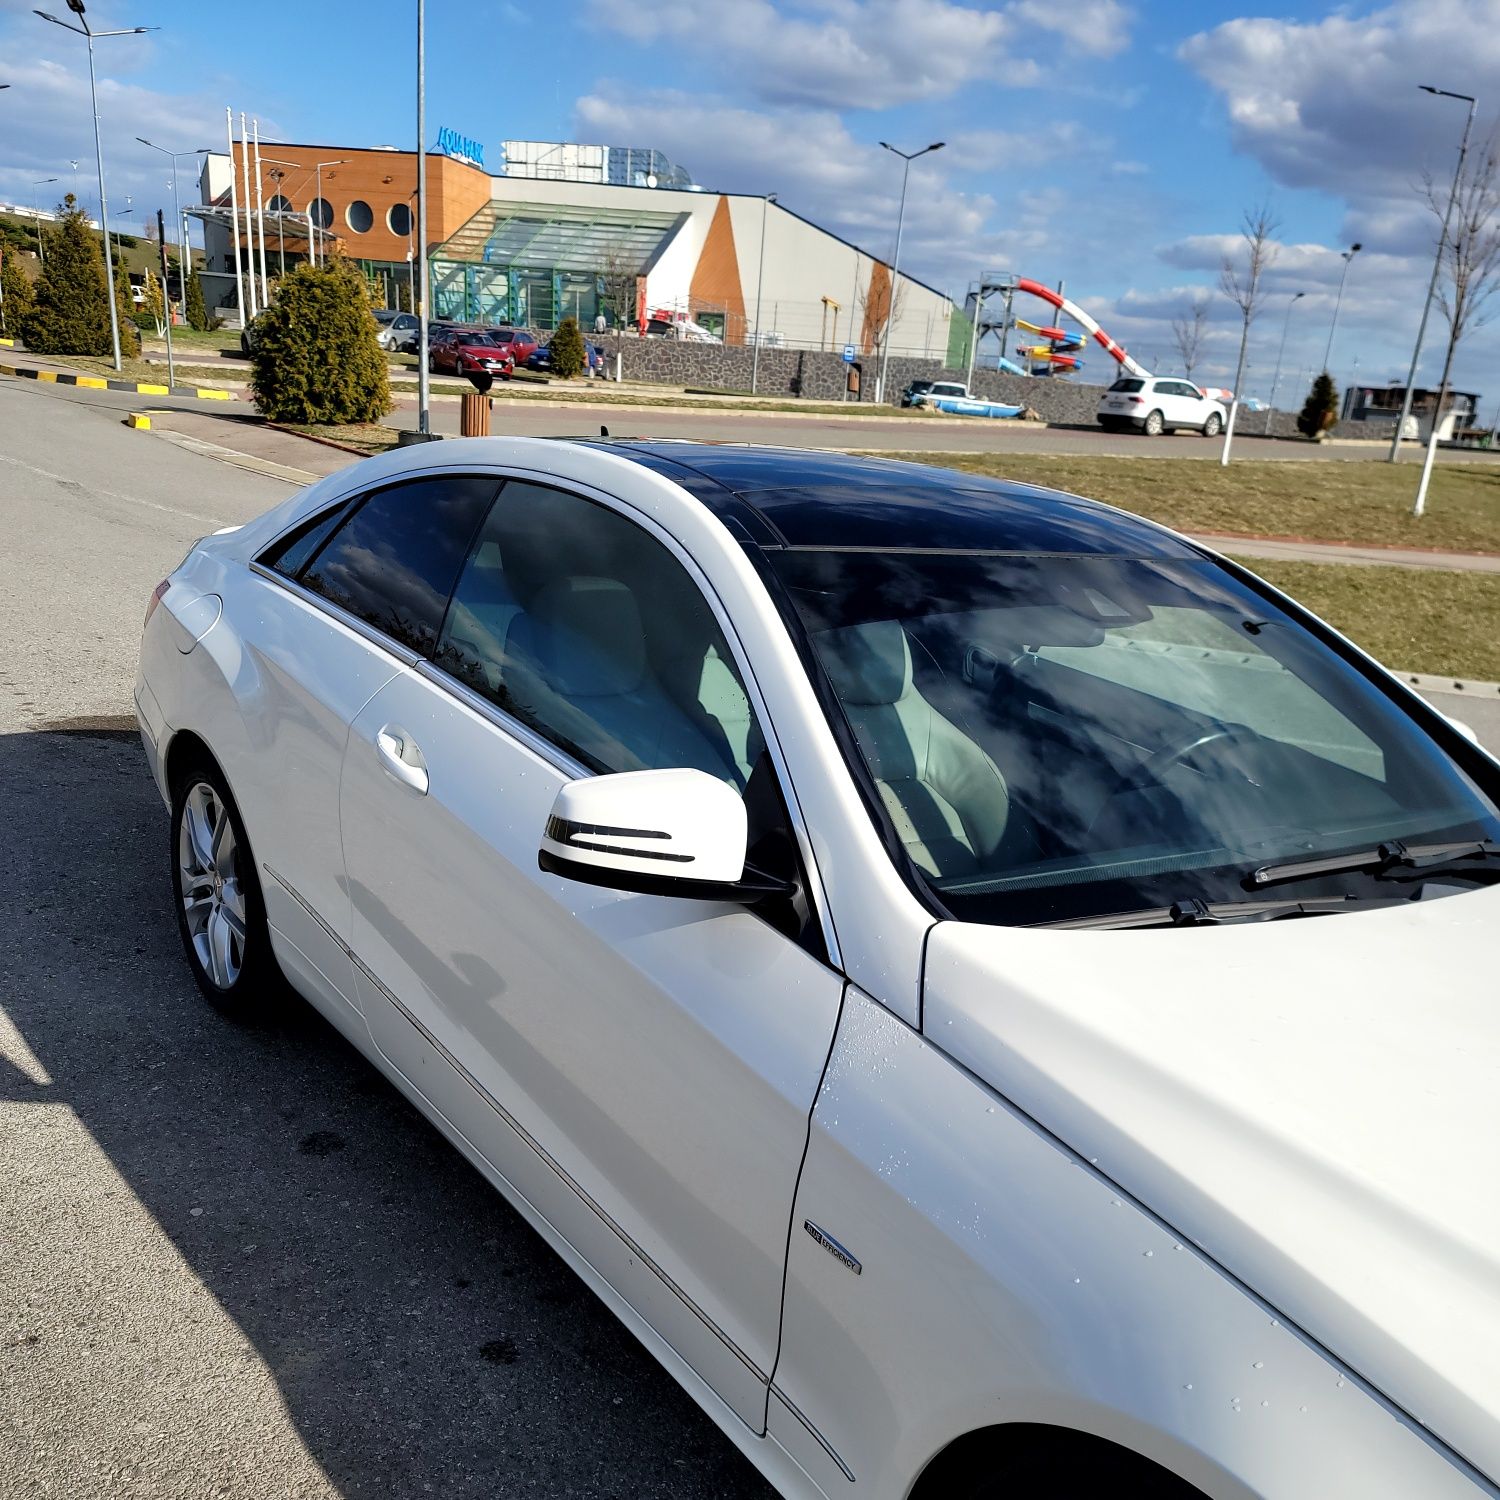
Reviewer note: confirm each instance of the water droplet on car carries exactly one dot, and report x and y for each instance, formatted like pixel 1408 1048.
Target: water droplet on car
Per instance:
pixel 1077 1280
pixel 988 1111
pixel 1265 1403
pixel 1259 1364
pixel 1149 1254
pixel 1115 1202
pixel 1188 1386
pixel 1301 1408
pixel 1339 1383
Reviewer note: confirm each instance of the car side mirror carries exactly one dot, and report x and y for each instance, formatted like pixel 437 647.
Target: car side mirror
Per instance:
pixel 1466 730
pixel 656 833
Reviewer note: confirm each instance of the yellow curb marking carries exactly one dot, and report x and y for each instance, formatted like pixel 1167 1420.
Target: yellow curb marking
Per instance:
pixel 153 390
pixel 92 383
pixel 48 375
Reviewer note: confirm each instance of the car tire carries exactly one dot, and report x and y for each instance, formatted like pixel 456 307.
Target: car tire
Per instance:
pixel 221 914
pixel 1214 426
pixel 1154 425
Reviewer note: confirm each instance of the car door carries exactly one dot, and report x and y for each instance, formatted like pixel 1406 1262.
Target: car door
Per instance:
pixel 1188 404
pixel 639 1068
pixel 341 603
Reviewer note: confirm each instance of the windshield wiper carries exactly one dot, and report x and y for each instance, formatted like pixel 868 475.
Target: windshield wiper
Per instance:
pixel 1393 860
pixel 1194 912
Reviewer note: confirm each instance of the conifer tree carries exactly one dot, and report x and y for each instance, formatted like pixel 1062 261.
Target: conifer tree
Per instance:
pixel 1321 409
pixel 70 314
pixel 16 298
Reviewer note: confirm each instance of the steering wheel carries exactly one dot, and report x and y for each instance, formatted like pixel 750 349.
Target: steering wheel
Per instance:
pixel 1159 762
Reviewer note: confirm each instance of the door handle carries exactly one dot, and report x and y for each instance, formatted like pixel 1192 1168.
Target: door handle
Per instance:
pixel 401 758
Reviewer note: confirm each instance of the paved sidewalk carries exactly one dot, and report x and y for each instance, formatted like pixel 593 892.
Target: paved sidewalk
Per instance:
pixel 1340 552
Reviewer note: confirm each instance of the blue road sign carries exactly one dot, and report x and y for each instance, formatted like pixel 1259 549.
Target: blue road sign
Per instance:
pixel 848 354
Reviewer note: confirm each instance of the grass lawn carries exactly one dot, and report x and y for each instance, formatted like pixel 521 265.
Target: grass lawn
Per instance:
pixel 1334 500
pixel 368 437
pixel 1412 619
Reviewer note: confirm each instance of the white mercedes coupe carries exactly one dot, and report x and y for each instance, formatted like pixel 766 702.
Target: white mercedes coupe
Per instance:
pixel 998 999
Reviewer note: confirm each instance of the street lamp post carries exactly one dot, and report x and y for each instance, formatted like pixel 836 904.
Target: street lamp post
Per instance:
pixel 1437 266
pixel 278 177
pixel 84 30
pixel 424 395
pixel 1338 301
pixel 36 208
pixel 318 173
pixel 885 353
pixel 183 249
pixel 760 276
pixel 1295 298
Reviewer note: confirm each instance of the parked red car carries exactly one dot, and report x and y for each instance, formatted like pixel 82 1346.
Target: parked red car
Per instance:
pixel 462 351
pixel 516 342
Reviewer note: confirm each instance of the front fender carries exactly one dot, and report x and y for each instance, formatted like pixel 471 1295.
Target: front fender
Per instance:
pixel 1004 1279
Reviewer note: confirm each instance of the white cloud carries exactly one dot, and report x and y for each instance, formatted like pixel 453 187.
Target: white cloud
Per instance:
pixel 863 54
pixel 56 125
pixel 810 159
pixel 1099 28
pixel 1334 104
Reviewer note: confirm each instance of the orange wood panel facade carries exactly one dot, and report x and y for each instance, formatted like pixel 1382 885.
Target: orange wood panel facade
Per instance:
pixel 379 179
pixel 716 284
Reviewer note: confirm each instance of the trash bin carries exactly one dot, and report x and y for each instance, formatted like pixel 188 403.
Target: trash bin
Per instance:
pixel 474 419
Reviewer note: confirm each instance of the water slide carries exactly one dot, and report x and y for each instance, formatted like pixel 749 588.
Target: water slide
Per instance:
pixel 1077 314
pixel 1059 336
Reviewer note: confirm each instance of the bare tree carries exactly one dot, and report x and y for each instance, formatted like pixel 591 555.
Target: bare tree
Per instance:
pixel 1242 280
pixel 1187 332
pixel 879 308
pixel 1470 274
pixel 619 277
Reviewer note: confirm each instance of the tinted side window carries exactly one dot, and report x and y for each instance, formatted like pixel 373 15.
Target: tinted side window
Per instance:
pixel 394 560
pixel 288 554
pixel 583 626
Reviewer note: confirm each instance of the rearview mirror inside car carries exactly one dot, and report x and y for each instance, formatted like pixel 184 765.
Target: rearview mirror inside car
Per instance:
pixel 660 833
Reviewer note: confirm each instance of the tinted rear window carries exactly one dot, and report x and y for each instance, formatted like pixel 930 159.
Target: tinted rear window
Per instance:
pixel 394 561
pixel 1127 385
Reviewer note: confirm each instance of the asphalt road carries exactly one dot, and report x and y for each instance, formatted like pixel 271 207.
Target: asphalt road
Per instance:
pixel 234 1262
pixel 583 418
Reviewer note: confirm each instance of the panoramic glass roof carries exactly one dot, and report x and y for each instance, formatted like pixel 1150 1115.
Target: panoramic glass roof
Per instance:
pixel 557 234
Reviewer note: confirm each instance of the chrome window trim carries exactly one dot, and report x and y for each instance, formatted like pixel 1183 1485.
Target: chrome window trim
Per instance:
pixel 535 741
pixel 532 739
pixel 404 654
pixel 526 1138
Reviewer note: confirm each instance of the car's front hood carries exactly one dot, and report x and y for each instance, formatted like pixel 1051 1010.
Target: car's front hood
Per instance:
pixel 1315 1103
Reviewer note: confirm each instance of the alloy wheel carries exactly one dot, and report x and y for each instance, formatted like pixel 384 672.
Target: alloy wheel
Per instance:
pixel 209 885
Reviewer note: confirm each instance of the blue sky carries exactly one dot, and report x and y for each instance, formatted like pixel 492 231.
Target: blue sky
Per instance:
pixel 1112 144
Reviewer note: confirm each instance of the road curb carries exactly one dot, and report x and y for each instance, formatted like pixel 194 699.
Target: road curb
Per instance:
pixel 1425 682
pixel 99 383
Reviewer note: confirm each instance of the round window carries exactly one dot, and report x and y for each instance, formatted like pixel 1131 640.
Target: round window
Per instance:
pixel 398 218
pixel 358 216
pixel 279 205
pixel 320 212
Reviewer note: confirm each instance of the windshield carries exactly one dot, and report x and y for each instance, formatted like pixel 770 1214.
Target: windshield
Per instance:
pixel 1052 737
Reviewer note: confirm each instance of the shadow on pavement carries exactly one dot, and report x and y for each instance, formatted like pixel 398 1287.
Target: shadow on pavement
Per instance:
pixel 423 1338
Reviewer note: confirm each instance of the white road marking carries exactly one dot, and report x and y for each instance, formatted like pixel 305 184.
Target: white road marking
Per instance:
pixel 76 484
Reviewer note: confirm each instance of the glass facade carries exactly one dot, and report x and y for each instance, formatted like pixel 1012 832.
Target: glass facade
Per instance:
pixel 535 264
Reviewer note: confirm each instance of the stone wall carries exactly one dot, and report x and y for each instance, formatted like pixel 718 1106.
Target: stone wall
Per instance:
pixel 815 375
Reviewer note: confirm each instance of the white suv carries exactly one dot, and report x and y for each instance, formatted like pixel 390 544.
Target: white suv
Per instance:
pixel 1155 406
